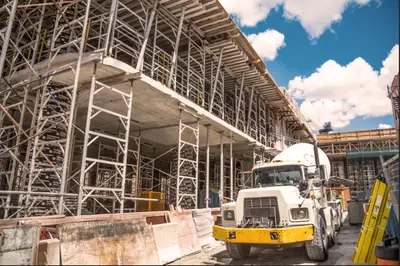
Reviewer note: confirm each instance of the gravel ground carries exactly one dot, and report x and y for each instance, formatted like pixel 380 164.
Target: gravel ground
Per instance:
pixel 340 254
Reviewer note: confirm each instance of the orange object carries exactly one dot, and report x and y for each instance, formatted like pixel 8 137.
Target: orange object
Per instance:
pixel 386 262
pixel 343 192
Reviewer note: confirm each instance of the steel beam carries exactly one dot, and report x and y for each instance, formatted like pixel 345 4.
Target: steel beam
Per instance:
pixel 207 166
pixel 6 38
pixel 239 101
pixel 71 126
pixel 175 55
pixel 221 174
pixel 231 164
pixel 139 65
pixel 214 88
pixel 250 107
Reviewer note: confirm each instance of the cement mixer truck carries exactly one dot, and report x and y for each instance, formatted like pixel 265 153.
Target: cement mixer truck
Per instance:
pixel 286 206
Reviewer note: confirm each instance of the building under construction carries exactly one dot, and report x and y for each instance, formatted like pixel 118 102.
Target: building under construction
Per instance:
pixel 117 105
pixel 358 155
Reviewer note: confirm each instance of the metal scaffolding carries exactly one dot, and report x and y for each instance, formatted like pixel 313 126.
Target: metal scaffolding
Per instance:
pixel 63 64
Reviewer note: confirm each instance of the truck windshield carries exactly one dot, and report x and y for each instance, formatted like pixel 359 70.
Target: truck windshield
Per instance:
pixel 277 176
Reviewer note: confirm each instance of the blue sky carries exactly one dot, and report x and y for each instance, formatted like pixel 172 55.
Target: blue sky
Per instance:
pixel 367 31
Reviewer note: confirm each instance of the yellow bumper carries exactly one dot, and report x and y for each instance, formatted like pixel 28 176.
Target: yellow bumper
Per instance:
pixel 263 235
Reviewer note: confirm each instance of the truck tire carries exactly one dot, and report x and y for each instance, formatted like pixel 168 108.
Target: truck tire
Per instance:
pixel 332 238
pixel 317 249
pixel 238 251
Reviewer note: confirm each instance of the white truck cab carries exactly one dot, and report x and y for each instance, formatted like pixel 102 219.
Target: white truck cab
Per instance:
pixel 287 204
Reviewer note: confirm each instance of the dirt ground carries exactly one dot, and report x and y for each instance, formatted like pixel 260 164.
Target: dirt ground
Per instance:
pixel 340 254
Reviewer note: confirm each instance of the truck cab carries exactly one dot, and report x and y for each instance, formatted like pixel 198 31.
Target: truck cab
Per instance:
pixel 286 205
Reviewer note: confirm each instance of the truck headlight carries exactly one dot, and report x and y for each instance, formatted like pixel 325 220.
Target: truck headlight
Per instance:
pixel 229 215
pixel 299 213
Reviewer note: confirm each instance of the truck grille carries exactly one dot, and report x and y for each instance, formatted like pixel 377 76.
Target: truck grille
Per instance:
pixel 262 211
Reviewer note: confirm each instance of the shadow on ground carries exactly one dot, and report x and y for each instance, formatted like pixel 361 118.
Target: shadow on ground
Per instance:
pixel 340 254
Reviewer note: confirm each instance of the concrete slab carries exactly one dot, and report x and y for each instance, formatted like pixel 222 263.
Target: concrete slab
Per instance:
pixel 166 237
pixel 154 105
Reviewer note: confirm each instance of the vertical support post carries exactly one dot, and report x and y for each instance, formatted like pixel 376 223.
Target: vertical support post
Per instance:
pixel 137 181
pixel 214 88
pixel 126 147
pixel 188 64
pixel 175 55
pixel 239 101
pixel 231 164
pixel 179 158
pixel 203 101
pixel 254 155
pixel 70 131
pixel 208 166
pixel 221 174
pixel 16 152
pixel 6 40
pixel 28 149
pixel 153 59
pixel 196 201
pixel 85 143
pixel 139 65
pixel 111 27
pixel 250 106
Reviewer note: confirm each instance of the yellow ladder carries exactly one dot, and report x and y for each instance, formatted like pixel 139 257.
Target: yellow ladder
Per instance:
pixel 374 224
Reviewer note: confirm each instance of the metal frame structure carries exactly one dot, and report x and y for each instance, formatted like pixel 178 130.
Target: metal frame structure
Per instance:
pixel 192 47
pixel 187 165
pixel 356 155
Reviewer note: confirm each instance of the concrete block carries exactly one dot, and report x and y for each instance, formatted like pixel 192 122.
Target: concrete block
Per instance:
pixel 167 242
pixel 112 242
pixel 49 252
pixel 187 235
pixel 18 245
pixel 203 221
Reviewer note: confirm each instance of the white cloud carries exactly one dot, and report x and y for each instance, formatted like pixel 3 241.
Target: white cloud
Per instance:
pixel 267 43
pixel 316 16
pixel 384 126
pixel 339 94
pixel 250 12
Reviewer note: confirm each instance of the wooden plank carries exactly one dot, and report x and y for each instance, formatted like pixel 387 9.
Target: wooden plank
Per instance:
pixel 113 242
pixel 188 240
pixel 18 245
pixel 14 221
pixel 101 217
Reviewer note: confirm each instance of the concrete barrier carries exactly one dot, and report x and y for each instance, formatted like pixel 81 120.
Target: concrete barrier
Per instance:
pixel 18 244
pixel 141 238
pixel 108 243
pixel 187 234
pixel 167 242
pixel 204 221
pixel 49 252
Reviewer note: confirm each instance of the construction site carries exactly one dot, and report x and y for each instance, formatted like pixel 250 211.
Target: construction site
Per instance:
pixel 113 111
